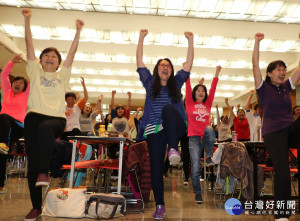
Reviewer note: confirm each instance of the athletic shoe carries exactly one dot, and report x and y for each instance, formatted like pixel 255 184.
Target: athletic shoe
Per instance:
pixel 33 215
pixel 186 182
pixel 2 190
pixel 42 180
pixel 3 148
pixel 160 212
pixel 198 198
pixel 174 157
pixel 209 162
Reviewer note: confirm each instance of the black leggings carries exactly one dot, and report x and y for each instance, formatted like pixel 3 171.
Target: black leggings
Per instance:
pixel 10 130
pixel 184 141
pixel 40 134
pixel 174 128
pixel 277 144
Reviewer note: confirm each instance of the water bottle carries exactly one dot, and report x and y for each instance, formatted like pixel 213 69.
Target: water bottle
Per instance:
pixel 109 127
pixel 259 133
pixel 234 136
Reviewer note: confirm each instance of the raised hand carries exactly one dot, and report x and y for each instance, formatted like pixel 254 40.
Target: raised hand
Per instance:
pixel 259 36
pixel 252 92
pixel 113 92
pixel 82 80
pixel 79 24
pixel 26 13
pixel 189 35
pixel 217 106
pixel 16 59
pixel 201 81
pixel 129 94
pixel 218 70
pixel 100 98
pixel 143 33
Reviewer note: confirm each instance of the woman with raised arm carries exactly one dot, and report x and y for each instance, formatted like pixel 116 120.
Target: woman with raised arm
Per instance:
pixel 14 106
pixel 198 106
pixel 164 116
pixel 240 122
pixel 279 130
pixel 88 116
pixel 224 125
pixel 45 120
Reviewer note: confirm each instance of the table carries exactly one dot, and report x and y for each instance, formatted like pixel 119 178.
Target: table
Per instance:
pixel 97 140
pixel 260 145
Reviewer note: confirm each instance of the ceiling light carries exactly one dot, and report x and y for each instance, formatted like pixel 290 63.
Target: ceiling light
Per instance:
pixel 228 94
pixel 240 7
pixel 112 82
pixel 107 72
pixel 272 7
pixel 103 90
pixel 76 88
pixel 223 77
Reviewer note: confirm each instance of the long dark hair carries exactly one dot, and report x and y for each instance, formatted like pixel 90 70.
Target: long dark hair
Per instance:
pixel 171 84
pixel 82 111
pixel 272 66
pixel 196 88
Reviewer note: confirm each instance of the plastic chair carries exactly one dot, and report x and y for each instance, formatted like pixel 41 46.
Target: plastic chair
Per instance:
pixel 293 153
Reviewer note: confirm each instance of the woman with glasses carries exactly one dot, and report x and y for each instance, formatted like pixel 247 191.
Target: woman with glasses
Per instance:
pixel 45 120
pixel 164 116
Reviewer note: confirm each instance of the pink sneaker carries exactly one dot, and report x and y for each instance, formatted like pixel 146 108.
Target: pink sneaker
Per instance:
pixel 3 148
pixel 174 157
pixel 42 180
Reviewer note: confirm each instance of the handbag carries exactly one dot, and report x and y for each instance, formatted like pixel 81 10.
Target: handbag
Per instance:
pixel 105 205
pixel 65 202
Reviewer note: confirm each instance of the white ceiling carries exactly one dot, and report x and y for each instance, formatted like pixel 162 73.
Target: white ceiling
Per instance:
pixel 216 42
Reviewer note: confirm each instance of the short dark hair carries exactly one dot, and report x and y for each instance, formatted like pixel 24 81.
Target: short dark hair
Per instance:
pixel 272 66
pixel 47 50
pixel 295 108
pixel 223 117
pixel 256 106
pixel 240 110
pixel 70 94
pixel 196 88
pixel 120 106
pixel 20 78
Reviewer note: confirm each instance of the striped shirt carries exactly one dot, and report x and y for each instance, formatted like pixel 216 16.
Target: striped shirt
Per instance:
pixel 155 109
pixel 152 121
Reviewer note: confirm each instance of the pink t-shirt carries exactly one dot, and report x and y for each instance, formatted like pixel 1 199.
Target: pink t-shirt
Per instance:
pixel 198 113
pixel 15 105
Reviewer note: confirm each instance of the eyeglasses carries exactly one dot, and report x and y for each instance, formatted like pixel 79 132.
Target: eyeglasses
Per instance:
pixel 165 66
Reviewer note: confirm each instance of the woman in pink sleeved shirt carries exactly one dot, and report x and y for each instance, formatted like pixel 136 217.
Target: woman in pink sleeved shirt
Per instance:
pixel 12 114
pixel 200 133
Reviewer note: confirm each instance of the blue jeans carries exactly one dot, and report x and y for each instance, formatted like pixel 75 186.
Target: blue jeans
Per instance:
pixel 196 147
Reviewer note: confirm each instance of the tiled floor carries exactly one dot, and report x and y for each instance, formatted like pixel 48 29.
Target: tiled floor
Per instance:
pixel 15 203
